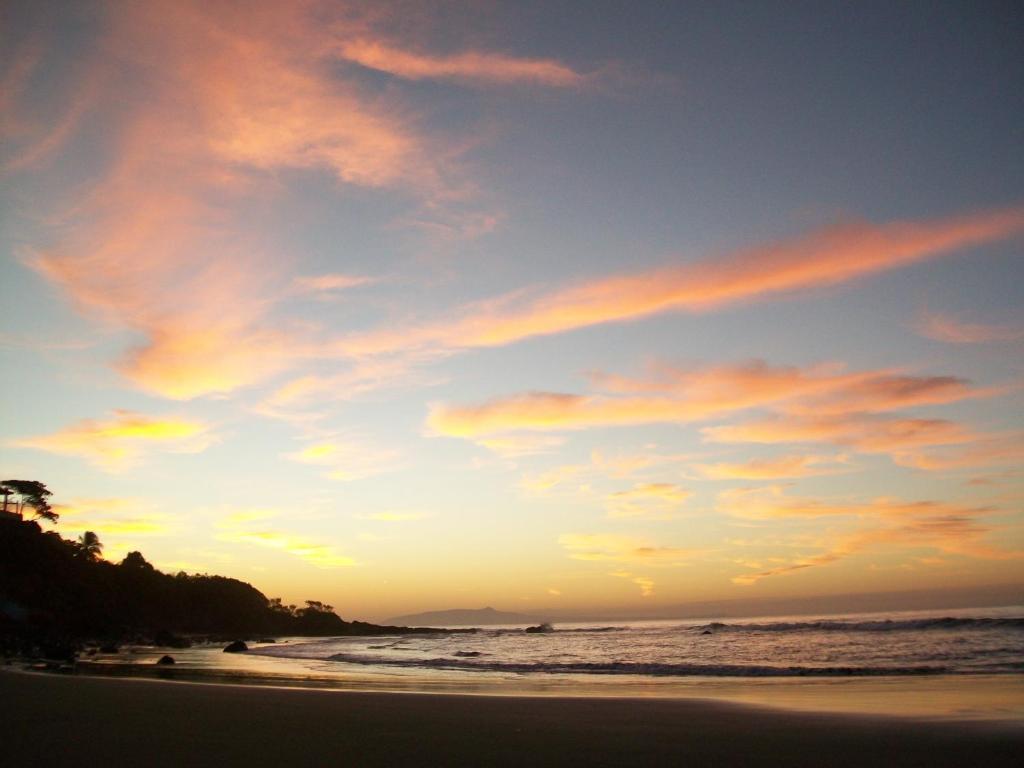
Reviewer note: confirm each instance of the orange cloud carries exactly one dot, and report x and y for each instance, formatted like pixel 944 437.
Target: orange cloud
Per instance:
pixel 112 517
pixel 364 375
pixel 772 503
pixel 164 243
pixel 546 481
pixel 651 501
pixel 957 534
pixel 985 451
pixel 892 524
pixel 867 433
pixel 952 330
pixel 613 547
pixel 691 395
pixel 327 287
pixel 775 467
pixel 347 461
pixel 252 527
pixel 825 257
pixel 472 66
pixel 123 440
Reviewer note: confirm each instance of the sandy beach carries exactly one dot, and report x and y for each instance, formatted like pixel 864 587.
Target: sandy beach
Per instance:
pixel 56 720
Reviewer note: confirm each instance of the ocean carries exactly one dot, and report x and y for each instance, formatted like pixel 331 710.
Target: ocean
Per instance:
pixel 961 663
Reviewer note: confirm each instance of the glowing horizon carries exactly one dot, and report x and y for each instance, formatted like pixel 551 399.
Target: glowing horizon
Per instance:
pixel 540 308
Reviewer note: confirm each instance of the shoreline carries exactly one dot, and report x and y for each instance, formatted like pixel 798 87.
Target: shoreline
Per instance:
pixel 59 719
pixel 980 698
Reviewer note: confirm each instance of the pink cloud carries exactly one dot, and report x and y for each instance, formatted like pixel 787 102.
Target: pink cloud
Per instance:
pixel 825 257
pixel 889 524
pixel 952 330
pixel 470 66
pixel 814 394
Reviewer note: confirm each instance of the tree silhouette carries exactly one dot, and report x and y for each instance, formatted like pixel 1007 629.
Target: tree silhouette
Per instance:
pixel 32 494
pixel 136 562
pixel 89 546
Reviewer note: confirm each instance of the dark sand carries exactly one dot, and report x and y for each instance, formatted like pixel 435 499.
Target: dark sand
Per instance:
pixel 49 720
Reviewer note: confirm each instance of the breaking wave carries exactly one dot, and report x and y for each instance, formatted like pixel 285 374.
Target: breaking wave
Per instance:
pixel 640 668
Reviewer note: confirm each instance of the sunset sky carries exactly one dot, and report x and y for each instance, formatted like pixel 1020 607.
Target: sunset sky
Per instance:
pixel 554 306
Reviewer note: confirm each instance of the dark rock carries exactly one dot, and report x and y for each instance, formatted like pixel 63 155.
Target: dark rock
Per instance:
pixel 163 660
pixel 467 654
pixel 707 632
pixel 236 647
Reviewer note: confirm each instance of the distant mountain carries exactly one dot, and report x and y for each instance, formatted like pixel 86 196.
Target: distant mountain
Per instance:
pixel 464 617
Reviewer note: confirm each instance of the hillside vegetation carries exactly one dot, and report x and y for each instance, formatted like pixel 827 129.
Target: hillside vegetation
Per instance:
pixel 56 593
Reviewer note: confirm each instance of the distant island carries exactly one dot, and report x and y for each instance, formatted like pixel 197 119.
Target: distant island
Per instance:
pixel 464 617
pixel 56 594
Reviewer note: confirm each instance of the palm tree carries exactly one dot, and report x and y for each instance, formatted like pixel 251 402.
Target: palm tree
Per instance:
pixel 89 546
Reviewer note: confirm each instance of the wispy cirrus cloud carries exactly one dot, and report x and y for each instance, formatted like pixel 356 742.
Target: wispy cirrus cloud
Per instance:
pixel 773 503
pixel 649 501
pixel 853 410
pixel 884 524
pixel 983 451
pixel 955 533
pixel 942 326
pixel 790 466
pixel 687 395
pixel 124 440
pixel 618 548
pixel 895 436
pixel 256 527
pixel 546 481
pixel 114 519
pixel 328 287
pixel 198 104
pixel 468 67
pixel 347 460
pixel 825 257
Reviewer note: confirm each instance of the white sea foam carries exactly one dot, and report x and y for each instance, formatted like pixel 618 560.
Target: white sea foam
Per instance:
pixel 898 644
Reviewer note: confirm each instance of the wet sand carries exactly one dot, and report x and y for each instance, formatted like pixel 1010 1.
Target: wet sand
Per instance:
pixel 80 721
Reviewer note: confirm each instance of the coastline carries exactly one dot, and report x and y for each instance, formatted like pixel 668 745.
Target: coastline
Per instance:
pixel 979 697
pixel 63 720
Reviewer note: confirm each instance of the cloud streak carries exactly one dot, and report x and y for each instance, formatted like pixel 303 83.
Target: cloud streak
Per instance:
pixel 775 467
pixel 826 257
pixel 113 517
pixel 124 440
pixel 468 67
pixel 252 527
pixel 346 461
pixel 617 548
pixel 950 329
pixel 886 524
pixel 199 105
pixel 649 501
pixel 682 396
